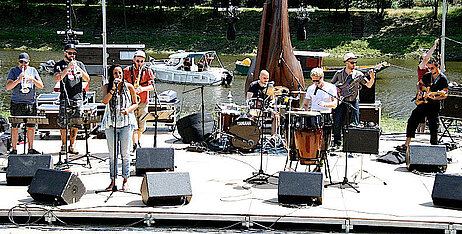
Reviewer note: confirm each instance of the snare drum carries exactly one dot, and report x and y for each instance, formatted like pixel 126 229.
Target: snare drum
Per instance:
pixel 307 132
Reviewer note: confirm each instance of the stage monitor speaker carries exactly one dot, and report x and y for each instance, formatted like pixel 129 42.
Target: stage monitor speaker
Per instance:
pixel 190 127
pixel 367 95
pixel 166 188
pixel 154 159
pixel 361 140
pixel 300 187
pixel 447 190
pixel 452 106
pixel 21 168
pixel 428 158
pixel 57 187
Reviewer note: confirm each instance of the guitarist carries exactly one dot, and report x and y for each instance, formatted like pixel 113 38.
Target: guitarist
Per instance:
pixel 142 79
pixel 438 91
pixel 344 76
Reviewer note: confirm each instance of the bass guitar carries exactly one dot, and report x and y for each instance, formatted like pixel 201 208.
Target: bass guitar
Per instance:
pixel 348 88
pixel 422 96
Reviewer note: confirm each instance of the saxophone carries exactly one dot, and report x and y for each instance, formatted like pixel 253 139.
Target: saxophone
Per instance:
pixel 137 84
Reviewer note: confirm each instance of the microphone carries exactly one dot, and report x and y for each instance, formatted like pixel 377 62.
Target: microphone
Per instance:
pixel 270 83
pixel 316 90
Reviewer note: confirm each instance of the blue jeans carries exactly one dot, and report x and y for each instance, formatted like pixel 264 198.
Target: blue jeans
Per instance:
pixel 339 116
pixel 124 141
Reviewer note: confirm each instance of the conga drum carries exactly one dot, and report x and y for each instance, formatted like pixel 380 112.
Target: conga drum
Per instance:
pixel 307 135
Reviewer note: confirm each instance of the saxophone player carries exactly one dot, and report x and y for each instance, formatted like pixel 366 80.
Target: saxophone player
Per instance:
pixel 142 78
pixel 22 80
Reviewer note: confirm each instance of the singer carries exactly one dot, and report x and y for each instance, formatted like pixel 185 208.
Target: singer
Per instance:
pixel 256 87
pixel 22 80
pixel 119 121
pixel 70 73
pixel 320 100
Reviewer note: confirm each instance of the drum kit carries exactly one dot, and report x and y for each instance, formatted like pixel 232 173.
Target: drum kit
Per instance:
pixel 305 134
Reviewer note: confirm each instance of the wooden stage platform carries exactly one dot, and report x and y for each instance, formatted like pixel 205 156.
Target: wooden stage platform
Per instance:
pixel 221 196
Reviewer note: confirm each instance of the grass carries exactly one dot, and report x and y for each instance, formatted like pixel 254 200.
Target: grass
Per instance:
pixel 393 125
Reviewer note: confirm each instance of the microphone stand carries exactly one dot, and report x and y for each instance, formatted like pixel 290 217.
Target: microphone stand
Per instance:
pixel 156 117
pixel 345 178
pixel 260 177
pixel 115 98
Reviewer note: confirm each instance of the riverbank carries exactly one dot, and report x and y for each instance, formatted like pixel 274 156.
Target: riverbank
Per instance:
pixel 173 29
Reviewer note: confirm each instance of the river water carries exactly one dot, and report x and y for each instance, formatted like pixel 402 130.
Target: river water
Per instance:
pixel 395 86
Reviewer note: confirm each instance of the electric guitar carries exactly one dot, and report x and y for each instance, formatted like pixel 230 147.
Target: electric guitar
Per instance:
pixel 348 88
pixel 422 96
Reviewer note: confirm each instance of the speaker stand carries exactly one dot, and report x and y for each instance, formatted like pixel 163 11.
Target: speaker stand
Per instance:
pixel 361 171
pixel 345 178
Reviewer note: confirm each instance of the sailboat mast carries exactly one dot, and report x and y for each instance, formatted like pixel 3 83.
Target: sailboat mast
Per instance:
pixel 443 34
pixel 104 42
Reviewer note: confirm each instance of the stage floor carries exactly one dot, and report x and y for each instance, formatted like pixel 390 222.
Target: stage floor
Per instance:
pixel 220 195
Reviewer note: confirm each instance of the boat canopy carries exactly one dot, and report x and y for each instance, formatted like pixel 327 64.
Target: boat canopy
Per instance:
pixel 184 54
pixel 310 53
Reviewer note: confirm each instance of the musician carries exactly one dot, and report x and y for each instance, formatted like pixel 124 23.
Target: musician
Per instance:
pixel 438 84
pixel 124 121
pixel 70 73
pixel 317 99
pixel 256 88
pixel 344 76
pixel 421 70
pixel 22 80
pixel 142 78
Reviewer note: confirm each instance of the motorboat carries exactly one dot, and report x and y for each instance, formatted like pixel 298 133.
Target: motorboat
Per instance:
pixel 192 68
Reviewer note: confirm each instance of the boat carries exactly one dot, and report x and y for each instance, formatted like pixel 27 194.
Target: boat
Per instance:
pixel 191 68
pixel 309 60
pixel 242 67
pixel 275 52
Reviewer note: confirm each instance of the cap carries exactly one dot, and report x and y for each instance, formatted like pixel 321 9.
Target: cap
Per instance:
pixel 70 47
pixel 140 53
pixel 24 57
pixel 349 55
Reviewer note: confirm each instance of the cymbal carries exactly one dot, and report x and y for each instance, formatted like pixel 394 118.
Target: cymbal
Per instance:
pixel 297 92
pixel 276 90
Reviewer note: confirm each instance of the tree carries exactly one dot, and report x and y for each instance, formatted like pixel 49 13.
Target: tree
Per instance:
pixel 435 9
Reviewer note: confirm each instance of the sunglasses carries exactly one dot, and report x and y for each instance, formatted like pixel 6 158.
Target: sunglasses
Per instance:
pixel 71 53
pixel 21 62
pixel 354 62
pixel 140 61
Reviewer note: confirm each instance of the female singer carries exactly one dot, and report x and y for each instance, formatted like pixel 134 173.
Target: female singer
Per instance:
pixel 120 100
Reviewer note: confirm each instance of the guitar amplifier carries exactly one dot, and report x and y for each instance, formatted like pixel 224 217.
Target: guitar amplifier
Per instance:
pixel 370 112
pixel 452 106
pixel 361 140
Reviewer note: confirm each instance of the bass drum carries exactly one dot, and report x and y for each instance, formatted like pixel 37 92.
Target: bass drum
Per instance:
pixel 245 134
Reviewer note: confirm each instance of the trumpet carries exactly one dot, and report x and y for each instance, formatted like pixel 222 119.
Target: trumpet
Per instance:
pixel 24 83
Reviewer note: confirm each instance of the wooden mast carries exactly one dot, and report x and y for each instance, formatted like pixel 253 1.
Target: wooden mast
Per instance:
pixel 275 53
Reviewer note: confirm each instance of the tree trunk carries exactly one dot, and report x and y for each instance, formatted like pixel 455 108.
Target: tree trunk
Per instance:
pixel 435 8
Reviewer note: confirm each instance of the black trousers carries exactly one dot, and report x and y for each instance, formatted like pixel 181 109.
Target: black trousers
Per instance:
pixel 429 110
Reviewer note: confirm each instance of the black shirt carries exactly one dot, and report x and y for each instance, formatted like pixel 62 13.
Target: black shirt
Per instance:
pixel 257 90
pixel 73 85
pixel 437 84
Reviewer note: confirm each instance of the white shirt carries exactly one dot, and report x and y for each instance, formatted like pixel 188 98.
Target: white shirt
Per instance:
pixel 320 95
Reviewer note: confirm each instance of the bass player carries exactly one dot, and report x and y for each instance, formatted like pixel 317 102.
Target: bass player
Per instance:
pixel 142 78
pixel 344 76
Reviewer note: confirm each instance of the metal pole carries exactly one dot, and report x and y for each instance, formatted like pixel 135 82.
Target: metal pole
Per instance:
pixel 104 43
pixel 443 34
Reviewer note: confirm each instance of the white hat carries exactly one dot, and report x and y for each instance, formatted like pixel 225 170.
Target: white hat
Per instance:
pixel 349 55
pixel 140 53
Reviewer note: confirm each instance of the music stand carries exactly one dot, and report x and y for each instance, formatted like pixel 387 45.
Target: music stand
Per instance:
pixel 345 177
pixel 25 120
pixel 86 124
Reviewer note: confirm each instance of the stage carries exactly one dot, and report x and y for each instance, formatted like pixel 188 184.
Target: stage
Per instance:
pixel 221 197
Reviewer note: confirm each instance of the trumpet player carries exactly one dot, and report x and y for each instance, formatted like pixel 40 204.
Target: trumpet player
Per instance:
pixel 142 78
pixel 70 73
pixel 22 80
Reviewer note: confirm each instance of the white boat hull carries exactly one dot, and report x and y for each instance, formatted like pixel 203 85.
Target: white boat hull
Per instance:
pixel 214 76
